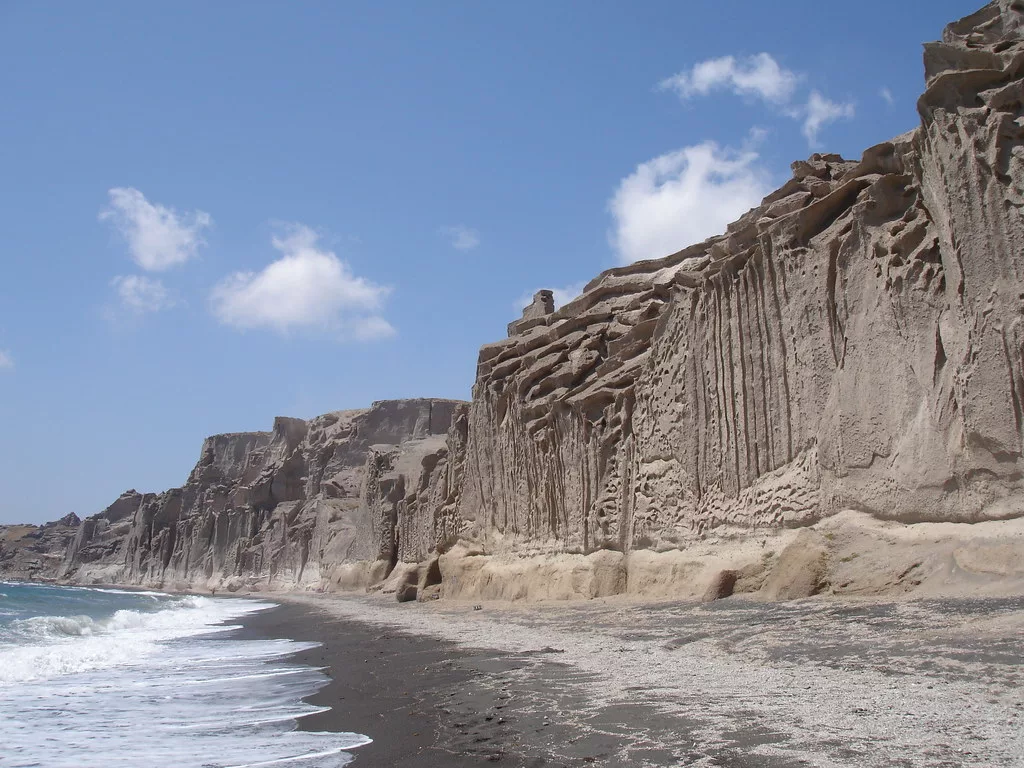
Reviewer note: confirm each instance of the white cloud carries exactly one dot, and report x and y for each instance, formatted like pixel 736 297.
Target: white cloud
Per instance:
pixel 462 238
pixel 763 77
pixel 308 287
pixel 158 237
pixel 682 198
pixel 758 75
pixel 6 361
pixel 887 96
pixel 818 113
pixel 142 294
pixel 371 328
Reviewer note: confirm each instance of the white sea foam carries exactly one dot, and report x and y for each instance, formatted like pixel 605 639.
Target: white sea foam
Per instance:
pixel 151 687
pixel 41 647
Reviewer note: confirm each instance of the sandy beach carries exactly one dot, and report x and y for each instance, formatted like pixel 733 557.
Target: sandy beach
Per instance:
pixel 615 683
pixel 427 702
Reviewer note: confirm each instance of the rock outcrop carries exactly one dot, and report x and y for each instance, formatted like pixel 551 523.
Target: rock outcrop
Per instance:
pixel 36 552
pixel 332 502
pixel 854 343
pixel 543 304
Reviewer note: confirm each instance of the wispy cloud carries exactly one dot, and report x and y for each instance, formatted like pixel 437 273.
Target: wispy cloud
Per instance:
pixel 309 287
pixel 158 237
pixel 819 112
pixel 682 198
pixel 759 75
pixel 762 77
pixel 142 294
pixel 6 361
pixel 887 96
pixel 461 238
pixel 371 328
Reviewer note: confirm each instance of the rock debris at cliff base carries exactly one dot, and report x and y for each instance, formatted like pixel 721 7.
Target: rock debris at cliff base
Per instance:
pixel 758 413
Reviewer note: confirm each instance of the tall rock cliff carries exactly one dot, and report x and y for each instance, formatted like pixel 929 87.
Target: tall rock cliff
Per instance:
pixel 327 502
pixel 853 346
pixel 854 342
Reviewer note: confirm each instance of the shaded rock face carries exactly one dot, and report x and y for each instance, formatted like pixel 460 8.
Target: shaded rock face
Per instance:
pixel 854 343
pixel 36 552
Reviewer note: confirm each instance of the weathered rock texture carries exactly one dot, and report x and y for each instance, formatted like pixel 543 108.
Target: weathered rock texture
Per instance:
pixel 543 304
pixel 334 501
pixel 854 343
pixel 36 552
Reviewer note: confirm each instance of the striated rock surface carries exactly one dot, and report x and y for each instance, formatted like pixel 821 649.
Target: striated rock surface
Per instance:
pixel 311 504
pixel 36 552
pixel 853 346
pixel 854 342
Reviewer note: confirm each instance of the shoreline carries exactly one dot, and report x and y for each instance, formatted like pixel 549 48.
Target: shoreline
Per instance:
pixel 836 683
pixel 425 702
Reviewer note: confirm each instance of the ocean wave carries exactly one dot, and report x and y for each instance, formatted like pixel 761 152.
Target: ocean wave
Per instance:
pixel 42 647
pixel 186 614
pixel 207 699
pixel 53 626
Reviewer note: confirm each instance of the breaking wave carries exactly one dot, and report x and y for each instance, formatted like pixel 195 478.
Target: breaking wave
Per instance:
pixel 116 679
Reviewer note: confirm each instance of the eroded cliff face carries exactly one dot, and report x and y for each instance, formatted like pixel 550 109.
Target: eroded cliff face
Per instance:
pixel 854 342
pixel 320 504
pixel 36 552
pixel 851 350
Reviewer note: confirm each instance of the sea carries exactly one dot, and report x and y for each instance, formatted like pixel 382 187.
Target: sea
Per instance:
pixel 111 678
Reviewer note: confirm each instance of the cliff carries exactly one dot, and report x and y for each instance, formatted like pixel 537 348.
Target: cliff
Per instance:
pixel 36 552
pixel 836 375
pixel 309 504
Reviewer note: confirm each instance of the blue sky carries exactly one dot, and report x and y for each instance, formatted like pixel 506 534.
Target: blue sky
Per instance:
pixel 215 213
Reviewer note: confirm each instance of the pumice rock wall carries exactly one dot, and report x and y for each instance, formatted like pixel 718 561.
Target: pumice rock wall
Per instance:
pixel 324 503
pixel 854 342
pixel 753 413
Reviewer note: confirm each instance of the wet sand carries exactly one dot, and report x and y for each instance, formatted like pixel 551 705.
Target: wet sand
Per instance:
pixel 426 702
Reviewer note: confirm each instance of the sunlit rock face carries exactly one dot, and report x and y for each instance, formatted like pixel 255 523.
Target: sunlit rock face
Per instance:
pixel 852 344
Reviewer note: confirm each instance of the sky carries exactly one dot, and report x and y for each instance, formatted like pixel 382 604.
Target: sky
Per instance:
pixel 216 213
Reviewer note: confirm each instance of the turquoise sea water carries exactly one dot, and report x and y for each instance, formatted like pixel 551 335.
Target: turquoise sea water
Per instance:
pixel 127 679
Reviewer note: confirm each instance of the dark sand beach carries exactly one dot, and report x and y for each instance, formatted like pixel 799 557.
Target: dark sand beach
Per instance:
pixel 614 683
pixel 428 703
